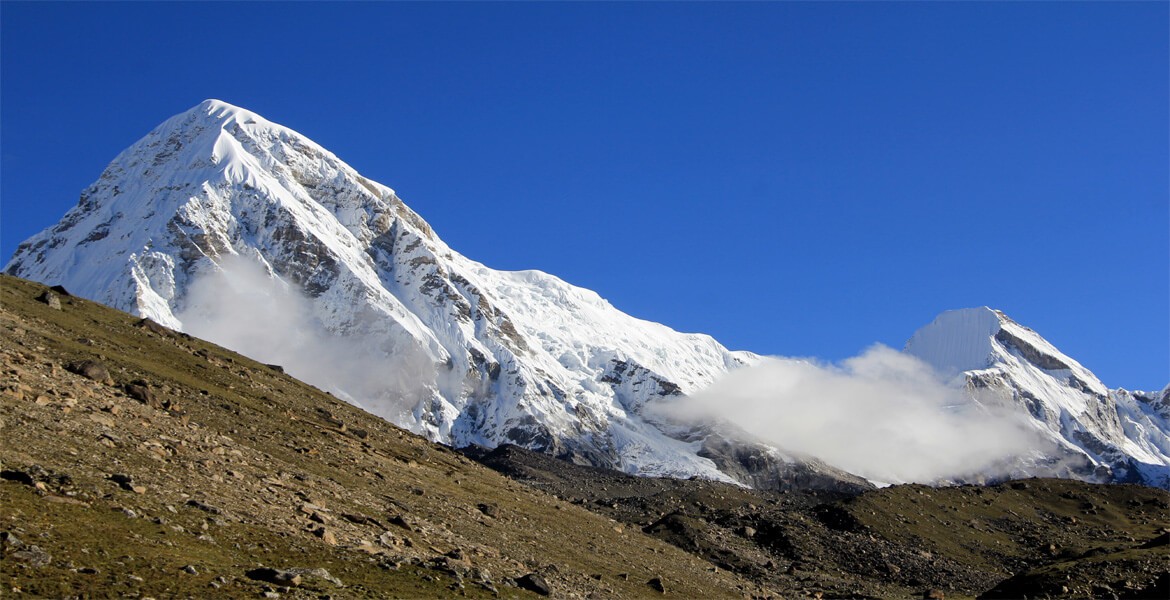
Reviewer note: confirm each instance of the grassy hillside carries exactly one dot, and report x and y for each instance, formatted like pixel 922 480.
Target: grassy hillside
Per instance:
pixel 136 461
pixel 175 468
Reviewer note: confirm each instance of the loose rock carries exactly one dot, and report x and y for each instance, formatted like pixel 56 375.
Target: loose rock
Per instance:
pixel 51 299
pixel 326 536
pixel 534 583
pixel 275 576
pixel 140 391
pixel 91 369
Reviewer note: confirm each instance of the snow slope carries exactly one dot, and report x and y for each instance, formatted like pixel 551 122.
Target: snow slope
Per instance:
pixel 496 357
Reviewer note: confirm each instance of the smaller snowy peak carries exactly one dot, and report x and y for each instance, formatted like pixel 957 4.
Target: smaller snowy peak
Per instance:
pixel 973 339
pixel 958 340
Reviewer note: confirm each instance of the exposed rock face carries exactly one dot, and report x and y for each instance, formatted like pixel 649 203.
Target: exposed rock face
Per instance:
pixel 761 467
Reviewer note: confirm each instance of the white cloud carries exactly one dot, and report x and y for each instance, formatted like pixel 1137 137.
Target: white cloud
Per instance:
pixel 883 415
pixel 240 306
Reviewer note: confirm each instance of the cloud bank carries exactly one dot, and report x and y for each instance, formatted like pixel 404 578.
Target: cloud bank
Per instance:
pixel 883 415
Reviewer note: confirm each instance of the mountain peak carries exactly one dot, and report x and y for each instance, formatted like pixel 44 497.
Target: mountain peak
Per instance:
pixel 972 339
pixel 958 340
pixel 218 211
pixel 219 110
pixel 226 225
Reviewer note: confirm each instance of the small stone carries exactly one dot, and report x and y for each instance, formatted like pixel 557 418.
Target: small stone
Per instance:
pixel 657 585
pixel 32 556
pixel 934 594
pixel 319 573
pixel 9 541
pixel 51 299
pixel 487 509
pixel 534 583
pixel 190 570
pixel 360 519
pixel 274 576
pixel 91 369
pixel 401 521
pixel 326 536
pixel 141 392
pixel 203 506
pixel 121 479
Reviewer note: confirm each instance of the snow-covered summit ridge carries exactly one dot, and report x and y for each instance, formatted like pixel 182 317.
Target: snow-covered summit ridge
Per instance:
pixel 492 357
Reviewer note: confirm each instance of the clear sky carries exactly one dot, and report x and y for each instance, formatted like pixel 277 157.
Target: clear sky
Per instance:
pixel 800 179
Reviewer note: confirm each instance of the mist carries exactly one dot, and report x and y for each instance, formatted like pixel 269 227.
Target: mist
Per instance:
pixel 883 415
pixel 240 306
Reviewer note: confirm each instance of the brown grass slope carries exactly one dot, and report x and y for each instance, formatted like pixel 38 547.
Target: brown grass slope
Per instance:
pixel 186 467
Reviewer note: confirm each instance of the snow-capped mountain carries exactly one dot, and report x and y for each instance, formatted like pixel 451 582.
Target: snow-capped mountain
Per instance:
pixel 488 357
pixel 1098 433
pixel 245 232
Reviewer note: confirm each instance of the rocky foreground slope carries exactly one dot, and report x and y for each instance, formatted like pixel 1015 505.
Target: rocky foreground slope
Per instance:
pixel 1027 538
pixel 138 461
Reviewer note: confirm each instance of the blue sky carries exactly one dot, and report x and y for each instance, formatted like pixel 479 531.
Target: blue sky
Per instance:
pixel 801 179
